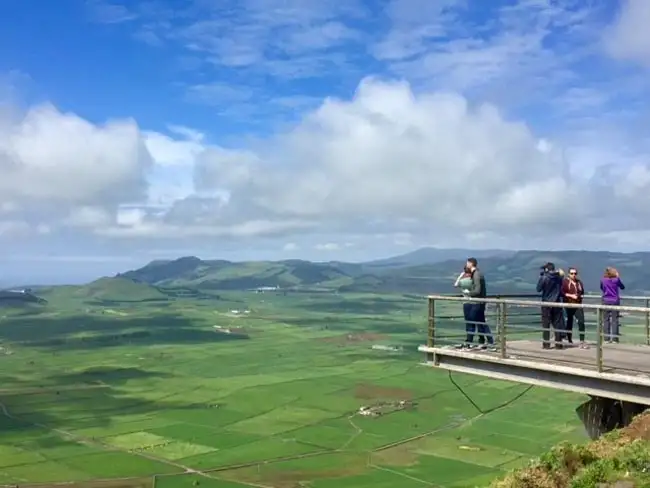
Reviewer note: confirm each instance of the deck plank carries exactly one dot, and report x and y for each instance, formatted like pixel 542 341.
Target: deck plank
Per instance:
pixel 617 358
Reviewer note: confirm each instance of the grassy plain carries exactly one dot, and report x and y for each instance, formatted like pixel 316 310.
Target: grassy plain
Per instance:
pixel 188 392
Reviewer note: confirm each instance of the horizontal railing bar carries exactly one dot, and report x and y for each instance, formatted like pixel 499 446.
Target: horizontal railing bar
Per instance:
pixel 623 297
pixel 538 303
pixel 536 295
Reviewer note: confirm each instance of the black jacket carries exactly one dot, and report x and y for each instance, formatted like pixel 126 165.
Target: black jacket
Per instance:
pixel 478 289
pixel 550 286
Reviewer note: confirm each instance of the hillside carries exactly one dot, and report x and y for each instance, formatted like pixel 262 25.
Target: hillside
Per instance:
pixel 506 273
pixel 23 298
pixel 108 290
pixel 430 255
pixel 515 274
pixel 620 459
pixel 226 275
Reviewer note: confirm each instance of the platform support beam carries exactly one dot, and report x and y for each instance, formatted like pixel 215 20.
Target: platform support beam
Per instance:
pixel 602 415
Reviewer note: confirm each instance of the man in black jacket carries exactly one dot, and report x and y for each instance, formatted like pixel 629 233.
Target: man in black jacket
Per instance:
pixel 550 286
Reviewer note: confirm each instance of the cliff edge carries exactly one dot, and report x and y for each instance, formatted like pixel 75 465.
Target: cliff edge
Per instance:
pixel 620 459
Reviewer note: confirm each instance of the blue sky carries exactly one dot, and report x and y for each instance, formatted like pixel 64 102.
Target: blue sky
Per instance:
pixel 283 128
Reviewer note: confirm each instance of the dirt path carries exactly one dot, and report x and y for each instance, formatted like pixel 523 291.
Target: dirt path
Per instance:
pixel 358 432
pixel 403 475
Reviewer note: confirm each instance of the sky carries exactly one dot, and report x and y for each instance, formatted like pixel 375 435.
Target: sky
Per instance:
pixel 277 129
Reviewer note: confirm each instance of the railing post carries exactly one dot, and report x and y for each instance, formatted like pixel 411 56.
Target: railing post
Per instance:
pixel 503 339
pixel 431 334
pixel 498 324
pixel 647 322
pixel 599 340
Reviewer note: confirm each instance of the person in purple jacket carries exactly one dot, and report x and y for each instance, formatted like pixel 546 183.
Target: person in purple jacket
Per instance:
pixel 610 285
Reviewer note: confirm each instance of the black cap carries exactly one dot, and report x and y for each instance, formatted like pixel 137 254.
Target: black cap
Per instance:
pixel 549 266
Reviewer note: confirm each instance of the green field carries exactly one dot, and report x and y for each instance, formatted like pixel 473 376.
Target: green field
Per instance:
pixel 198 392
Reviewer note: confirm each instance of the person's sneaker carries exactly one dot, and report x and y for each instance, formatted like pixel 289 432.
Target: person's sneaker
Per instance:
pixel 559 346
pixel 546 345
pixel 584 345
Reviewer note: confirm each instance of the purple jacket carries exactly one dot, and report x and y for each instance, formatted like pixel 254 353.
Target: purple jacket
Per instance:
pixel 610 288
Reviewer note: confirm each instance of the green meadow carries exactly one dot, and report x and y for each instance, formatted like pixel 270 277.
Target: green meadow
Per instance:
pixel 254 389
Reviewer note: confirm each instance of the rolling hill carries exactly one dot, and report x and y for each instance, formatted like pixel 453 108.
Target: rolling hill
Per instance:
pixel 226 275
pixel 107 290
pixel 430 255
pixel 507 272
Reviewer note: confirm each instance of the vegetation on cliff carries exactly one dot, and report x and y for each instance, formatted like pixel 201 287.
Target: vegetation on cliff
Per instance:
pixel 619 459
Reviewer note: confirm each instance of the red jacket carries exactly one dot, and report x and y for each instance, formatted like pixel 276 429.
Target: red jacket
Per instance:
pixel 572 288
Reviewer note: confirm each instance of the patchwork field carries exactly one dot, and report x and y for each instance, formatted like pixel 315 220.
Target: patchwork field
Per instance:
pixel 151 394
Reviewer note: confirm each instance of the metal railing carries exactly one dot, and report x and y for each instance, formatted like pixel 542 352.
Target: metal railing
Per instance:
pixel 512 328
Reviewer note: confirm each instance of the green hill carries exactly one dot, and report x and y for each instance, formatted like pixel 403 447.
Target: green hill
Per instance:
pixel 226 275
pixel 20 299
pixel 619 459
pixel 430 255
pixel 517 273
pixel 112 290
pixel 506 273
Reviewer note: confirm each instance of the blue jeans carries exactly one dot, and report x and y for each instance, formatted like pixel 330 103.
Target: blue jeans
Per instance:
pixel 475 321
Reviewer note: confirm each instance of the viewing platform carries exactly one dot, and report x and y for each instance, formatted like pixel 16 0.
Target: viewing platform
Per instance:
pixel 616 371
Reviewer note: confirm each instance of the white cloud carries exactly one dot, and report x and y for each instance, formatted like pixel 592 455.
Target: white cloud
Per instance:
pixel 329 246
pixel 281 38
pixel 389 161
pixel 628 37
pixel 60 160
pixel 290 246
pixel 106 12
pixel 401 159
pixel 89 217
pixel 168 151
pixel 424 159
pixel 414 24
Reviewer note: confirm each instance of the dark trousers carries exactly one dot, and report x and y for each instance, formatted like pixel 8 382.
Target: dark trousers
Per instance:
pixel 579 315
pixel 611 325
pixel 475 321
pixel 552 317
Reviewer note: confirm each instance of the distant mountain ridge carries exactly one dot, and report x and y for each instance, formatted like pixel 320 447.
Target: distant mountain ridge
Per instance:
pixel 430 255
pixel 423 271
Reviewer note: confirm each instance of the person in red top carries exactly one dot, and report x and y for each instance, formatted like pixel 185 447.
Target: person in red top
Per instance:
pixel 573 291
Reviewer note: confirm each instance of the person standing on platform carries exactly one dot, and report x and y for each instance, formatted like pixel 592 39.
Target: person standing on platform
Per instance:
pixel 550 286
pixel 464 282
pixel 476 311
pixel 610 285
pixel 573 291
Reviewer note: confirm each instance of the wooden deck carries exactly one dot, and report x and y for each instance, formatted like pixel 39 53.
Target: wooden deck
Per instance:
pixel 629 359
pixel 617 358
pixel 625 375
